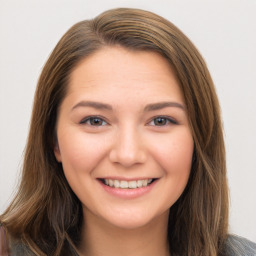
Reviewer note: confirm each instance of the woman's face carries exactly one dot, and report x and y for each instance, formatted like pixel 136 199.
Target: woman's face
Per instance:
pixel 123 137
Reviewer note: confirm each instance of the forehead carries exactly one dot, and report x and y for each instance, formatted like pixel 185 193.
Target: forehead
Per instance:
pixel 114 70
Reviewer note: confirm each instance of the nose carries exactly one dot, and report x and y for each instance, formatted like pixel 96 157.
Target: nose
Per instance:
pixel 128 149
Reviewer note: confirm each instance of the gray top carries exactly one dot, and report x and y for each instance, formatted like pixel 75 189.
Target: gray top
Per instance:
pixel 235 246
pixel 239 246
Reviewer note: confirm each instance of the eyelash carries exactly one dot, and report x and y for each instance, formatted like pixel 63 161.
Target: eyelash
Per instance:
pixel 91 118
pixel 167 121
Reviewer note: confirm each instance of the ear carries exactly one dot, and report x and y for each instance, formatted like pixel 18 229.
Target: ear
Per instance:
pixel 57 152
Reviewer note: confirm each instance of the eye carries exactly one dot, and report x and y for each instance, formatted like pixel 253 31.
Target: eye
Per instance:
pixel 93 121
pixel 162 121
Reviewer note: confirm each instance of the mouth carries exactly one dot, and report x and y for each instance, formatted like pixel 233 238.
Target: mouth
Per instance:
pixel 124 184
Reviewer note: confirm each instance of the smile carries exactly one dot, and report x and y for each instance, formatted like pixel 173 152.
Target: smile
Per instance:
pixel 124 184
pixel 128 189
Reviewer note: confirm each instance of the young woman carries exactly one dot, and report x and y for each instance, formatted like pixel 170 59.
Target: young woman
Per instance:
pixel 125 154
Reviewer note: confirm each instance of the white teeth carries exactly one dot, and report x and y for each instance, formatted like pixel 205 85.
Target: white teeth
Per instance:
pixel 132 184
pixel 127 184
pixel 123 184
pixel 111 183
pixel 116 183
pixel 144 183
pixel 139 183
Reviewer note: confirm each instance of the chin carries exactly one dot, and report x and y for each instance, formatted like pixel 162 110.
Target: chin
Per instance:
pixel 136 220
pixel 130 223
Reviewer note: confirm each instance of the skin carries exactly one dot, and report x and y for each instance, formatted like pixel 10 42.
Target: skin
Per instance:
pixel 125 141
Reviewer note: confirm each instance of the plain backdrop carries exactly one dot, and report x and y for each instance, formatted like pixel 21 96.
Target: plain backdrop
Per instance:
pixel 224 31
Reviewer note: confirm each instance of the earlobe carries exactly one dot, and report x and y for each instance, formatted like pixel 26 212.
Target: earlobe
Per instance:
pixel 57 153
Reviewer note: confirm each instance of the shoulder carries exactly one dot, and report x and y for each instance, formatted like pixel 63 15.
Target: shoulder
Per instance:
pixel 239 246
pixel 4 247
pixel 10 246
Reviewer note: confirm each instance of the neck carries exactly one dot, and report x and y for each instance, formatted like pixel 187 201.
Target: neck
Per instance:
pixel 101 238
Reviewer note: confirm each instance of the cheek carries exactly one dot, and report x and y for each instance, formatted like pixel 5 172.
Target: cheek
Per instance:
pixel 174 153
pixel 79 152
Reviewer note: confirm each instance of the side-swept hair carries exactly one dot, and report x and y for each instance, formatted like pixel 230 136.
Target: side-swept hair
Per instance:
pixel 46 215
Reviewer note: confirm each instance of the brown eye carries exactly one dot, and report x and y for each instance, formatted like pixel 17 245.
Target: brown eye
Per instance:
pixel 160 121
pixel 94 121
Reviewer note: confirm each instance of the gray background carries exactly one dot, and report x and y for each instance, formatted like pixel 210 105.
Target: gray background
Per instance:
pixel 224 32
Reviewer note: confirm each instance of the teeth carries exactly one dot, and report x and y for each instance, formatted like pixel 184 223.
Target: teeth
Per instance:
pixel 139 183
pixel 110 183
pixel 123 184
pixel 132 184
pixel 116 183
pixel 127 184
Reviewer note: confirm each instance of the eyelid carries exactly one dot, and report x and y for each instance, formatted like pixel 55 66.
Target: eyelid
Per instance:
pixel 87 118
pixel 169 119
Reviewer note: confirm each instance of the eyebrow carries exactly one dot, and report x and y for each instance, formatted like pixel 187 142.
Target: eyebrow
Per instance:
pixel 93 104
pixel 161 105
pixel 148 108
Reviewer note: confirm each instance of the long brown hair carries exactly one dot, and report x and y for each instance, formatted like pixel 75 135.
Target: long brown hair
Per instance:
pixel 46 215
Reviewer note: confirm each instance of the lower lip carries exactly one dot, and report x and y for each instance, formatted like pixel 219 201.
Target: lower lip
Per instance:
pixel 128 193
